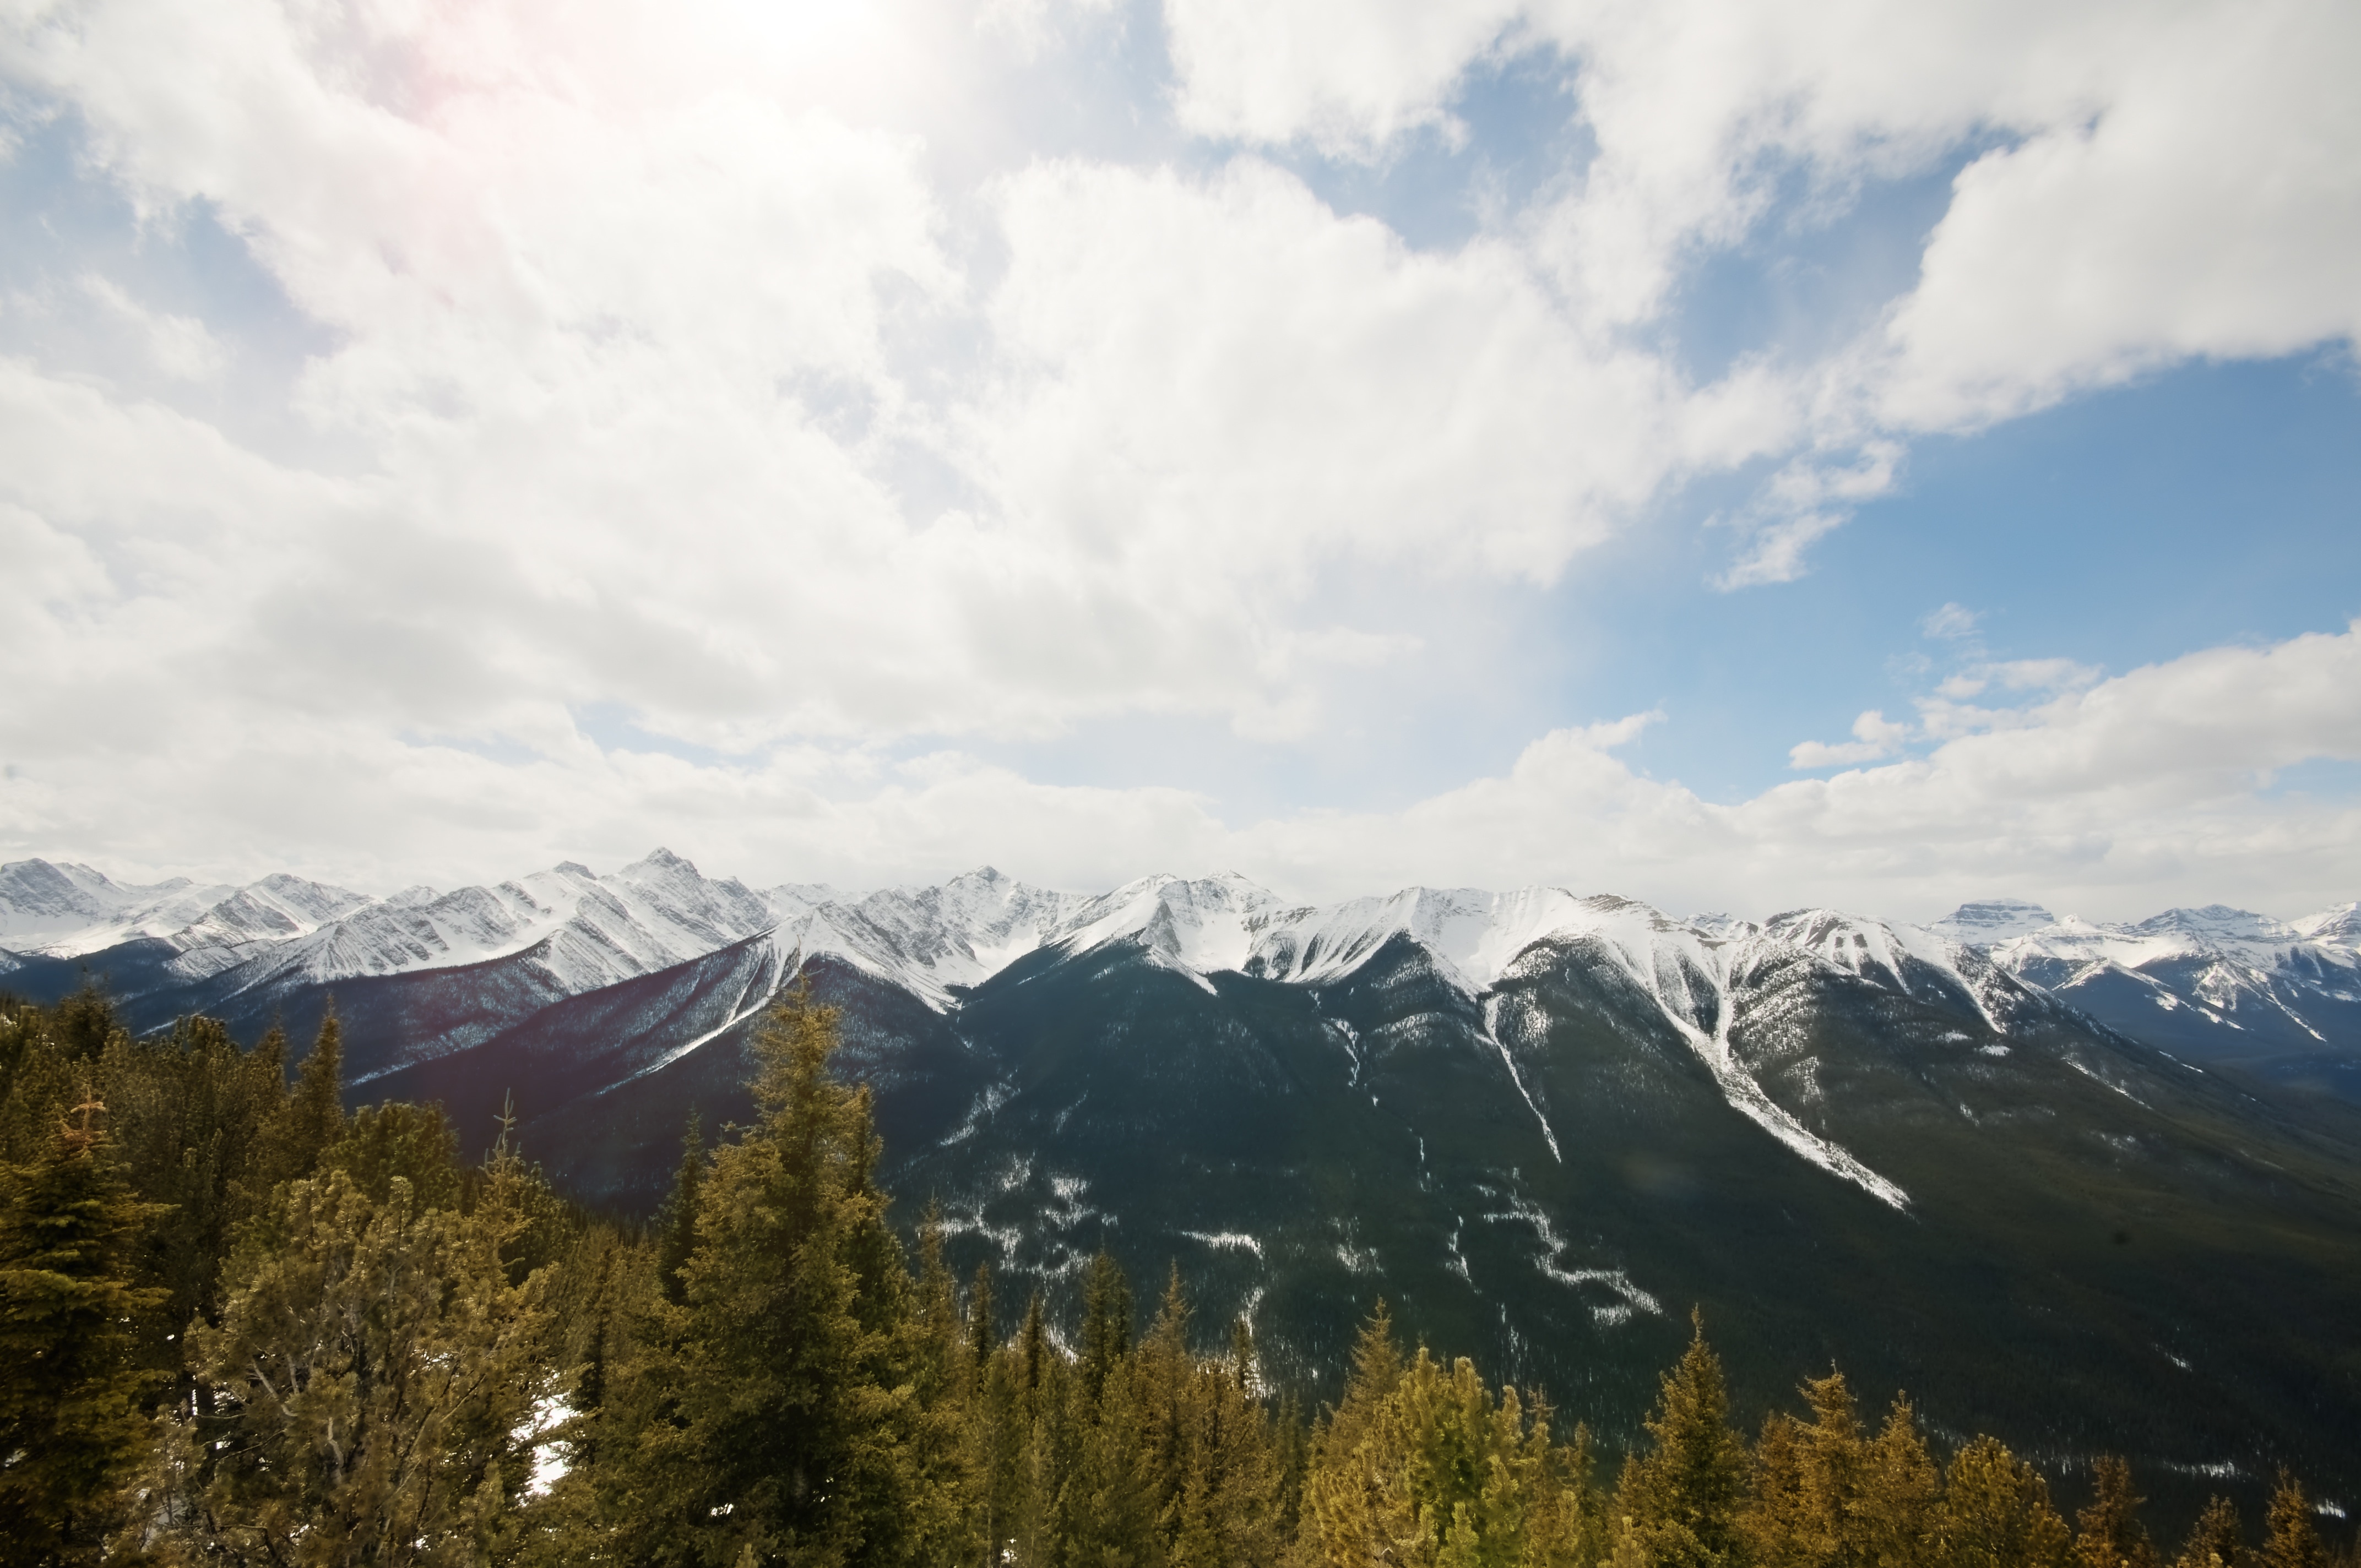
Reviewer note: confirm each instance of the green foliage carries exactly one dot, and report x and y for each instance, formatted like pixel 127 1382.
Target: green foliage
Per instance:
pixel 1995 1513
pixel 1107 1323
pixel 373 1381
pixel 412 1144
pixel 2108 1533
pixel 2215 1540
pixel 1682 1500
pixel 792 1431
pixel 2289 1538
pixel 243 1327
pixel 70 1407
pixel 676 1224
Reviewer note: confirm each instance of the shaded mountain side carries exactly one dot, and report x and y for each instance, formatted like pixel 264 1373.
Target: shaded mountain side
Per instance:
pixel 1846 1147
pixel 1299 1151
pixel 616 1144
pixel 136 975
pixel 2139 1250
pixel 387 1019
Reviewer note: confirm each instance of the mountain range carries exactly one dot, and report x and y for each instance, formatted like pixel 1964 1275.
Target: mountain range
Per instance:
pixel 2089 1187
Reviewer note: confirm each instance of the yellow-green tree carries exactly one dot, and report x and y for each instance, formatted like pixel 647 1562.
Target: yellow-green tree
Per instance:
pixel 1680 1501
pixel 375 1379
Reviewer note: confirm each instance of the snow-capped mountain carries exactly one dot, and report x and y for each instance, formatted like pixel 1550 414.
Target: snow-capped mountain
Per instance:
pixel 1540 1123
pixel 66 909
pixel 2217 981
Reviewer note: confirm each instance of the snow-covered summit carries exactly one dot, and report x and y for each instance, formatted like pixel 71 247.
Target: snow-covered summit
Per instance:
pixel 67 910
pixel 2252 979
pixel 2339 926
pixel 1204 926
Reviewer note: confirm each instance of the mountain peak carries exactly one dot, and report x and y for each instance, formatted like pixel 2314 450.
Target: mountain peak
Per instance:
pixel 657 862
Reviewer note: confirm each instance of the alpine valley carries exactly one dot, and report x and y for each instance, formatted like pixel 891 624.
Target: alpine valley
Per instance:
pixel 2086 1186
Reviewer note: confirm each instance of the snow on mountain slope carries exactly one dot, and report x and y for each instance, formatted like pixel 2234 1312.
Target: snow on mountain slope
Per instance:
pixel 67 910
pixel 277 907
pixel 2338 928
pixel 1201 926
pixel 1912 959
pixel 2252 983
pixel 582 930
pixel 1475 932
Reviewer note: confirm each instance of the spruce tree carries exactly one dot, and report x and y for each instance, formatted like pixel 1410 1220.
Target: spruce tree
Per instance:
pixel 945 1336
pixel 1107 1323
pixel 983 1331
pixel 2289 1538
pixel 1995 1513
pixel 676 1223
pixel 1033 1349
pixel 70 1408
pixel 799 1340
pixel 1683 1498
pixel 2215 1540
pixel 378 1376
pixel 1899 1488
pixel 2108 1533
pixel 313 1118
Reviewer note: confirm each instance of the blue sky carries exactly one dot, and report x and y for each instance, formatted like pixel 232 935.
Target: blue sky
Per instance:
pixel 1735 454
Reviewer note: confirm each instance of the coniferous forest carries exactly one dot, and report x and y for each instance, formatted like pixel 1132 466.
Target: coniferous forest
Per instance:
pixel 240 1325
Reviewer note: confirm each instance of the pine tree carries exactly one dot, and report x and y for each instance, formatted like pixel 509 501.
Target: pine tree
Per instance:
pixel 313 1120
pixel 1354 1507
pixel 2108 1533
pixel 1033 1347
pixel 69 1417
pixel 799 1342
pixel 1107 1323
pixel 382 1375
pixel 1684 1496
pixel 676 1223
pixel 2289 1538
pixel 85 1022
pixel 1899 1488
pixel 2215 1540
pixel 1995 1513
pixel 983 1331
pixel 1377 1371
pixel 1807 1484
pixel 938 1313
pixel 1106 1514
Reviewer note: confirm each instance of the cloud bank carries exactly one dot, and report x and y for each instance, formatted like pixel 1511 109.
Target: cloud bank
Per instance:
pixel 775 381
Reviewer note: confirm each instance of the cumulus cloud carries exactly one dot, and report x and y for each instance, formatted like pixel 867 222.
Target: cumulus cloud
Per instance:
pixel 1873 737
pixel 2137 791
pixel 2166 183
pixel 679 364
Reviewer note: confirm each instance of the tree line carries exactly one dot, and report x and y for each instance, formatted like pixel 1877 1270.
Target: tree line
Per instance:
pixel 240 1326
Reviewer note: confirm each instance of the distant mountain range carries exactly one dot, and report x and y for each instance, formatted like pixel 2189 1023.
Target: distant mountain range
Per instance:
pixel 2220 985
pixel 2075 1184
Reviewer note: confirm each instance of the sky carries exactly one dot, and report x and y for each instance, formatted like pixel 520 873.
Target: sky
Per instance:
pixel 1736 453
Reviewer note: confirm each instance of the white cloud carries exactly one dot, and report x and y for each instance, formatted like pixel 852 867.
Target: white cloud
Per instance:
pixel 183 348
pixel 2209 206
pixel 1873 737
pixel 2171 182
pixel 2140 790
pixel 1236 373
pixel 1951 622
pixel 666 370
